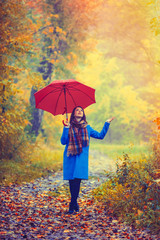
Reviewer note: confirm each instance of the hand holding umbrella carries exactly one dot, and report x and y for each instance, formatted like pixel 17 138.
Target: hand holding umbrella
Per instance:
pixel 66 123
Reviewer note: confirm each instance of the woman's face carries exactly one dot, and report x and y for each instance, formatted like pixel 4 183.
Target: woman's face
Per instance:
pixel 78 112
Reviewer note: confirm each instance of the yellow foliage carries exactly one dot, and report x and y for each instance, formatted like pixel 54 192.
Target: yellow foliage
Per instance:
pixel 16 36
pixel 55 15
pixel 35 79
pixel 51 29
pixel 59 30
pixel 131 193
pixel 90 74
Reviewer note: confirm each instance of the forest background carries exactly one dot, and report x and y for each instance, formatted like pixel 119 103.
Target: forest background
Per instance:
pixel 112 46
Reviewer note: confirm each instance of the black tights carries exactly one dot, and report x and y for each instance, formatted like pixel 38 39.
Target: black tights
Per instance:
pixel 74 186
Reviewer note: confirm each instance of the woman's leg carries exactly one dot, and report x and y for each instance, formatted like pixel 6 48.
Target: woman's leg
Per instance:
pixel 77 184
pixel 74 185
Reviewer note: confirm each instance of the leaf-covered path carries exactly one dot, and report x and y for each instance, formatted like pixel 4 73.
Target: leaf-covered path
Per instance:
pixel 38 210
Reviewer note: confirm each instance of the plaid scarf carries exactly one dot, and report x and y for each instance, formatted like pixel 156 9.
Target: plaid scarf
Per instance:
pixel 78 137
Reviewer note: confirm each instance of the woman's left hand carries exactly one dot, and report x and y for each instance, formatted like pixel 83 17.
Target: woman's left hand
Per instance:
pixel 110 119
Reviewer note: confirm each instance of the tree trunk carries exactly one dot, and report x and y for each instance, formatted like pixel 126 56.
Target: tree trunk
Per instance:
pixel 3 99
pixel 37 115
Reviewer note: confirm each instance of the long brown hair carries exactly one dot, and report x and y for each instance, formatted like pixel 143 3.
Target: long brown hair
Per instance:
pixel 72 114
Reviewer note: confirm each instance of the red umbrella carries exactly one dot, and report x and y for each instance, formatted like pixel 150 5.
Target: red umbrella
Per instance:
pixel 61 96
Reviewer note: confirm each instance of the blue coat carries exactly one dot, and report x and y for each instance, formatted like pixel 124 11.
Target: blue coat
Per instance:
pixel 76 166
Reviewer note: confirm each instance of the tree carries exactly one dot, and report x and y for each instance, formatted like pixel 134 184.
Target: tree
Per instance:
pixel 62 34
pixel 14 44
pixel 125 68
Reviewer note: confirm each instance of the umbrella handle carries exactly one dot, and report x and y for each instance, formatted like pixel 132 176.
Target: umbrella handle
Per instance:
pixel 66 120
pixel 64 123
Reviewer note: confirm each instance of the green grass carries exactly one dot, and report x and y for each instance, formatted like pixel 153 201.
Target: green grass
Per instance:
pixel 45 160
pixel 42 162
pixel 116 151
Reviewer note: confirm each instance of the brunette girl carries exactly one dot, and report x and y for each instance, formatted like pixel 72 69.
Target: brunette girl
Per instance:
pixel 76 136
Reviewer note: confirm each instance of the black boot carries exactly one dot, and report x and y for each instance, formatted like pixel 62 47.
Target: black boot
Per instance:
pixel 71 208
pixel 76 207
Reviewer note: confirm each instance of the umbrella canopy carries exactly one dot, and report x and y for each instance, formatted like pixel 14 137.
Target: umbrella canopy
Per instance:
pixel 61 96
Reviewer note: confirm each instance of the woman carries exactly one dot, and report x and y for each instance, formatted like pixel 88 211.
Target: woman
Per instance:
pixel 76 136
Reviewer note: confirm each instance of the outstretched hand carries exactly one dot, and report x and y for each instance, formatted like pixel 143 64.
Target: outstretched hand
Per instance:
pixel 110 119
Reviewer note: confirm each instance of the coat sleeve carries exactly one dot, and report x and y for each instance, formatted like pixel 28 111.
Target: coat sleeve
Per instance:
pixel 100 135
pixel 65 137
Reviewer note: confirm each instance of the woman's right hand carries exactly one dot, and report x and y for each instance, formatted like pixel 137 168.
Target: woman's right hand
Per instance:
pixel 66 123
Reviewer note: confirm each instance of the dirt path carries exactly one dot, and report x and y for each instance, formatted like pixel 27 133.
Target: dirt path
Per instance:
pixel 38 210
pixel 99 163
